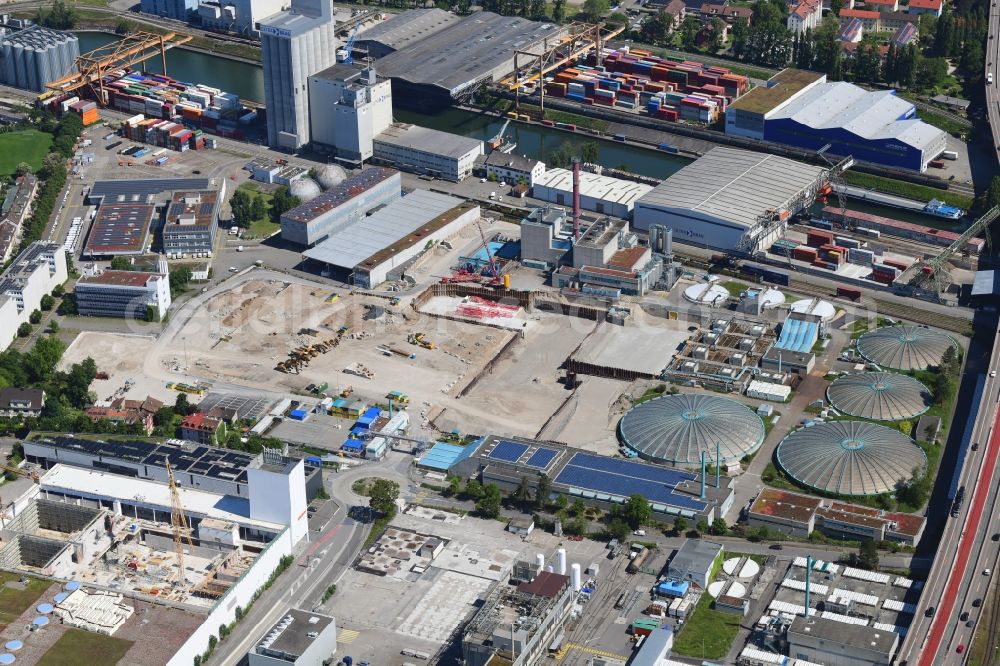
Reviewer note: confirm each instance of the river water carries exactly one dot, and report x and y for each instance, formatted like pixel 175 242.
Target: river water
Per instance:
pixel 247 81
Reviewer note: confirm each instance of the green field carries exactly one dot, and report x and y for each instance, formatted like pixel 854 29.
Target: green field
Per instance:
pixel 29 146
pixel 76 645
pixel 707 634
pixel 13 601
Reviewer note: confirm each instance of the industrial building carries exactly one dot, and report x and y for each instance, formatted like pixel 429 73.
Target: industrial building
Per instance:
pixel 36 55
pixel 240 16
pixel 439 60
pixel 602 194
pixel 299 638
pixel 192 223
pixel 696 561
pixel 341 206
pixel 404 29
pixel 119 230
pixel 800 515
pixel 427 151
pixel 824 641
pixel 905 347
pixel 730 199
pixel 142 190
pixel 348 108
pixel 725 354
pixel 179 10
pixel 598 480
pixel 514 169
pixel 685 429
pixel 607 260
pixel 801 109
pixel 546 237
pixel 33 274
pixel 850 458
pixel 880 396
pixel 383 243
pixel 517 624
pixel 294 45
pixel 128 294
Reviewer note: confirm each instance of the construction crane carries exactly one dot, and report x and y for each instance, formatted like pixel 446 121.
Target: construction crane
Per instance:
pixel 346 54
pixel 26 473
pixel 497 141
pixel 494 268
pixel 930 270
pixel 126 53
pixel 836 184
pixel 179 526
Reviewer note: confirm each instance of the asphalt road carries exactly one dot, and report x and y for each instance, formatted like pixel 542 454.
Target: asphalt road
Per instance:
pixel 966 549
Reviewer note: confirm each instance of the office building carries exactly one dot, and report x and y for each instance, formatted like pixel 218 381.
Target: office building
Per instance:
pixel 427 151
pixel 34 273
pixel 348 108
pixel 128 294
pixel 192 223
pixel 299 638
pixel 340 206
pixel 32 57
pixel 295 44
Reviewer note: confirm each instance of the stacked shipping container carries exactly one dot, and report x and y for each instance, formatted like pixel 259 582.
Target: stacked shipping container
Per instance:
pixel 668 88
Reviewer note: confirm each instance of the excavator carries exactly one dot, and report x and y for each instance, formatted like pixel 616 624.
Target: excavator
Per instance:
pixel 420 340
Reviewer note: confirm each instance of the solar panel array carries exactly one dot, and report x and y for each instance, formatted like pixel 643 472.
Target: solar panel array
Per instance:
pixel 140 190
pixel 508 451
pixel 201 460
pixel 623 478
pixel 522 453
pixel 541 458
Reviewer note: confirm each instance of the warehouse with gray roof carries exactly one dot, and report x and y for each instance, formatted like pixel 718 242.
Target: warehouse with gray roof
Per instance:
pixel 448 61
pixel 730 199
pixel 403 30
pixel 427 151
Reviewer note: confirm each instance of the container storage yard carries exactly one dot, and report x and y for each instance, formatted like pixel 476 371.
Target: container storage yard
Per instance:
pixel 668 88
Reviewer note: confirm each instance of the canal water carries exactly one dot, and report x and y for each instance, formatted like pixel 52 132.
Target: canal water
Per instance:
pixel 247 81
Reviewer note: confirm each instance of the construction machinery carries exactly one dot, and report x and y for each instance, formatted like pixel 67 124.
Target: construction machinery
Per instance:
pixel 359 370
pixel 126 53
pixel 26 473
pixel 179 525
pixel 346 54
pixel 420 340
pixel 389 351
pixel 346 393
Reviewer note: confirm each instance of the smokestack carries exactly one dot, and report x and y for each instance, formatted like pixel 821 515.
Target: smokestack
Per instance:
pixel 703 475
pixel 576 199
pixel 809 568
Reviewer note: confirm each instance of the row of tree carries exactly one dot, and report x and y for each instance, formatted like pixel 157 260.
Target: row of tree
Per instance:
pixel 248 206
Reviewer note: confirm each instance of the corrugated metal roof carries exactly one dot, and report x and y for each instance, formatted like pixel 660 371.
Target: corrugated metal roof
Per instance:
pixel 351 246
pixel 425 139
pixel 604 188
pixel 408 27
pixel 733 185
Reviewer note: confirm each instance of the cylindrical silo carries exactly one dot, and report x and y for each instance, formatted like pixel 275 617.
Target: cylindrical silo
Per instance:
pixel 561 561
pixel 549 569
pixel 574 577
pixel 540 561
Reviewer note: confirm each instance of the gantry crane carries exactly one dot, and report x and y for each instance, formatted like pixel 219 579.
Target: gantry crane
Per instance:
pixel 179 526
pixel 127 52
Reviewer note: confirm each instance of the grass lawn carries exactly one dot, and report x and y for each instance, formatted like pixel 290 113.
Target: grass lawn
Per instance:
pixel 707 634
pixel 943 122
pixel 29 146
pixel 735 288
pixel 263 227
pixel 93 648
pixel 13 602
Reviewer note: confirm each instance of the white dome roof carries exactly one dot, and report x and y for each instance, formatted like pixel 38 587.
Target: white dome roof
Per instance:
pixel 330 175
pixel 814 306
pixel 707 293
pixel 305 189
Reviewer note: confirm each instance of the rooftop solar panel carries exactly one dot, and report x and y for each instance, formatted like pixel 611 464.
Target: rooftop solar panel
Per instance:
pixel 541 458
pixel 508 451
pixel 624 478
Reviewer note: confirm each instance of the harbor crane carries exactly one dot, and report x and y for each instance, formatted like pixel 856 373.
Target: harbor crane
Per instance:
pixel 346 54
pixel 930 270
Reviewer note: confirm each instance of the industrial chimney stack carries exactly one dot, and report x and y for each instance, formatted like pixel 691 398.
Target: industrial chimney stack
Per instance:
pixel 576 199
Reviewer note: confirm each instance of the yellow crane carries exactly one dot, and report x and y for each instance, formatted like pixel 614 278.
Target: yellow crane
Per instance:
pixel 179 525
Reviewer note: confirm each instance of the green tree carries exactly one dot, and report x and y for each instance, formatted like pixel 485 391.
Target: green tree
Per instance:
pixel 59 16
pixel 719 527
pixel 121 264
pixel 473 490
pixel 241 205
pixel 58 291
pixel 164 416
pixel 24 330
pixel 868 555
pixel 595 9
pixel 590 152
pixel 718 35
pixel 454 486
pixel 618 529
pixel 22 169
pixel 656 28
pixel 543 490
pixel 258 208
pixel 689 29
pixel 559 11
pixel 992 196
pixel 182 406
pixel 382 496
pixel 931 72
pixel 637 511
pixel 576 527
pixel 282 202
pixel 523 492
pixel 680 524
pixel 35 317
pixel 577 508
pixel 47 303
pixel 702 526
pixel 561 503
pixel 489 505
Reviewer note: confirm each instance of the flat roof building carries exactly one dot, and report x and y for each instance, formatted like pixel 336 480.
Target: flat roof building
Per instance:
pixel 119 230
pixel 721 200
pixel 128 294
pixel 192 223
pixel 834 643
pixel 602 194
pixel 695 561
pixel 546 236
pixel 141 190
pixel 341 206
pixel 299 638
pixel 385 241
pixel 35 272
pixel 427 151
pixel 348 108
